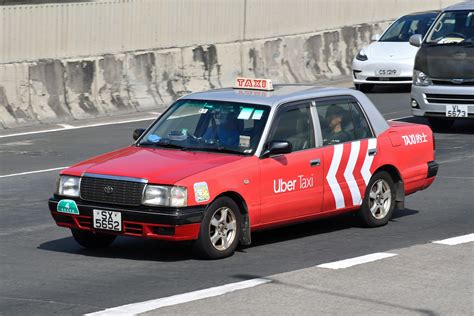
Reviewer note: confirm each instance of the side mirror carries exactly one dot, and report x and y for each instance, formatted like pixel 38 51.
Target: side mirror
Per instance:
pixel 416 40
pixel 375 37
pixel 277 148
pixel 137 133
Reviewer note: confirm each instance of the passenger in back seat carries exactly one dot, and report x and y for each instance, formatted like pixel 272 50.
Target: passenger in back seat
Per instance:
pixel 334 118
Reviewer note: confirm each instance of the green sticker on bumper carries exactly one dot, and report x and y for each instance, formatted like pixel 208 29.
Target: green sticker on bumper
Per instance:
pixel 67 206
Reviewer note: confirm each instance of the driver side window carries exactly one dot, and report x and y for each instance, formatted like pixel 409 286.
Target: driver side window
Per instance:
pixel 295 125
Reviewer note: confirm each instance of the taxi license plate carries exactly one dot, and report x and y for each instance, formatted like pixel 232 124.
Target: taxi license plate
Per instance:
pixel 456 110
pixel 108 220
pixel 386 72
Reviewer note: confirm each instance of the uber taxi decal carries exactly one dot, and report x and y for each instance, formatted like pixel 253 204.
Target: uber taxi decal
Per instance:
pixel 302 182
pixel 348 180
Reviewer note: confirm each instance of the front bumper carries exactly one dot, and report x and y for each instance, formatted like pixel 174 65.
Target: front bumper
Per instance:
pixel 157 223
pixel 438 109
pixel 367 72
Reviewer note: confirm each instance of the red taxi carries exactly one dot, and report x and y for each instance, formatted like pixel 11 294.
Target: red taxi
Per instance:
pixel 220 164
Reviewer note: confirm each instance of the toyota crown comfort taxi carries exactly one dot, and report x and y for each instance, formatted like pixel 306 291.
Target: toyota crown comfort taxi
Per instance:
pixel 221 164
pixel 443 79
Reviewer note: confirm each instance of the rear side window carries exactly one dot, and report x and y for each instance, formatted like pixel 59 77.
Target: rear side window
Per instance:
pixel 342 120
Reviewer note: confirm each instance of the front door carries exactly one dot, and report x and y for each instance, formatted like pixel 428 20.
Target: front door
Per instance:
pixel 292 183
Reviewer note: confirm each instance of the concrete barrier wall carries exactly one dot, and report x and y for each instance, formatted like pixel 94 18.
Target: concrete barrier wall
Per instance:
pixel 57 89
pixel 32 32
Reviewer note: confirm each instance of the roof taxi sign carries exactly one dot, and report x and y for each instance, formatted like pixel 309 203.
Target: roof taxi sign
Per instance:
pixel 253 84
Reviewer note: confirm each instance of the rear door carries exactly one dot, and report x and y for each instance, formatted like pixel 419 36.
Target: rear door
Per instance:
pixel 292 183
pixel 349 151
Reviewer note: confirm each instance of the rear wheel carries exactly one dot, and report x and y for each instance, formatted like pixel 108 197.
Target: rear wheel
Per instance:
pixel 220 230
pixel 92 240
pixel 379 201
pixel 439 124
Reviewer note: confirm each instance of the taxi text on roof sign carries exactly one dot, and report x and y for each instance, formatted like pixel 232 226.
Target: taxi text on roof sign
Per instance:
pixel 254 84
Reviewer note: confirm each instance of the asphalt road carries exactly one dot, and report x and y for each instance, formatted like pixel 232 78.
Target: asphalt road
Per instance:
pixel 43 271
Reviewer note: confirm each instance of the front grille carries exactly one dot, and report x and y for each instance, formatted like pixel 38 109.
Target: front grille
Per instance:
pixel 450 98
pixel 389 79
pixel 133 228
pixel 451 83
pixel 123 192
pixel 84 221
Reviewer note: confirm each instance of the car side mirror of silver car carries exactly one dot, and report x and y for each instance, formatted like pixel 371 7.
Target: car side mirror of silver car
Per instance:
pixel 416 40
pixel 375 37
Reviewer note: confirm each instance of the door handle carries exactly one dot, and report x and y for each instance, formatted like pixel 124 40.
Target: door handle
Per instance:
pixel 315 162
pixel 372 152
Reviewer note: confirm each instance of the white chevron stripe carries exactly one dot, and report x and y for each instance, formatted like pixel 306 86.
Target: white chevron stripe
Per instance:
pixel 331 177
pixel 349 173
pixel 365 170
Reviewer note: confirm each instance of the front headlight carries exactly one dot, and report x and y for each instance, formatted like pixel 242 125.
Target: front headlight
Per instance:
pixel 68 186
pixel 161 195
pixel 421 79
pixel 362 56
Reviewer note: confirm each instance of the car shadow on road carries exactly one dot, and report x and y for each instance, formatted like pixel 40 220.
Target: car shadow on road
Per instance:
pixel 126 248
pixel 155 250
pixel 462 126
pixel 317 227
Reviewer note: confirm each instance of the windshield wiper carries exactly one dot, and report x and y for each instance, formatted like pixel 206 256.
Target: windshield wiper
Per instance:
pixel 220 149
pixel 164 145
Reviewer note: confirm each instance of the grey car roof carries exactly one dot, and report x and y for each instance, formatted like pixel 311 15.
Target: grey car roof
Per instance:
pixel 289 93
pixel 469 5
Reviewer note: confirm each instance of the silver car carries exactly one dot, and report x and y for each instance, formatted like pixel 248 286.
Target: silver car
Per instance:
pixel 443 79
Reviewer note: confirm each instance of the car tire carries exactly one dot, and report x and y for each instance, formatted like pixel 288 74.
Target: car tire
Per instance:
pixel 439 124
pixel 92 240
pixel 221 229
pixel 364 87
pixel 379 200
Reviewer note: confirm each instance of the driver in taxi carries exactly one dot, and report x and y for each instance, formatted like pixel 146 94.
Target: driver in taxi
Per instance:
pixel 223 129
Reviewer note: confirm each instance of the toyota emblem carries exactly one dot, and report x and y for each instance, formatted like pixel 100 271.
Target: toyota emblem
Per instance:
pixel 108 189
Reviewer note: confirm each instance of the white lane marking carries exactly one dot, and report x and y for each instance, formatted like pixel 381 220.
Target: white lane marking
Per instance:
pixel 331 177
pixel 356 261
pixel 365 170
pixel 66 126
pixel 456 240
pixel 142 307
pixel 349 173
pixel 30 172
pixel 77 127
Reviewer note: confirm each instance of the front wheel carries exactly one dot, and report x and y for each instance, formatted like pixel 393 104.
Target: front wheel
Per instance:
pixel 379 201
pixel 220 230
pixel 92 240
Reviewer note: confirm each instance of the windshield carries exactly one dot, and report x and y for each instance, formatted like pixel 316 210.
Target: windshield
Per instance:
pixel 209 126
pixel 403 28
pixel 455 27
